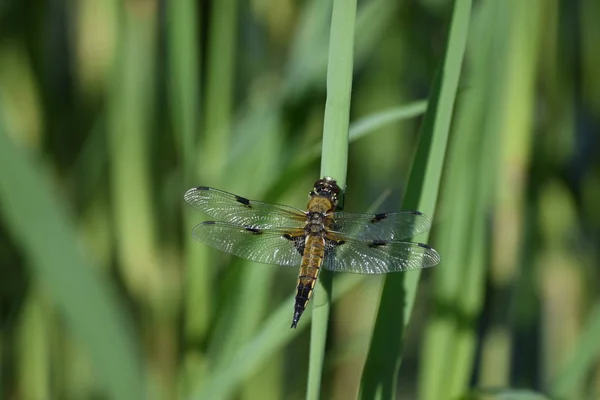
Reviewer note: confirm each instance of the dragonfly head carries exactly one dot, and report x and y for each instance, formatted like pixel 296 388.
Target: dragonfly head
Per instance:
pixel 327 187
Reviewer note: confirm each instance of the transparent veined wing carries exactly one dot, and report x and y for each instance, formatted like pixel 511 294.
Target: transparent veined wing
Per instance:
pixel 384 226
pixel 268 246
pixel 346 254
pixel 228 207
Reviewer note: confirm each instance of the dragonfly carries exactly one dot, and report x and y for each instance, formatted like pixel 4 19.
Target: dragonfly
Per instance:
pixel 315 238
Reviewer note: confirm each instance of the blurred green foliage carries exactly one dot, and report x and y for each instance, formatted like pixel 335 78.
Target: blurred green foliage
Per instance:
pixel 110 110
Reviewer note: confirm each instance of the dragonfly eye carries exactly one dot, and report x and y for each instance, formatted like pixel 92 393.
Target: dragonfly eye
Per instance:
pixel 327 187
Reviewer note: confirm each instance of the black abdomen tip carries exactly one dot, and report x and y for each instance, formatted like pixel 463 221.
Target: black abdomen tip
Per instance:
pixel 295 320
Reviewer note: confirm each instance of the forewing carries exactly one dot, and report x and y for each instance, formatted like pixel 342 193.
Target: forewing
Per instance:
pixel 384 226
pixel 238 210
pixel 268 246
pixel 376 256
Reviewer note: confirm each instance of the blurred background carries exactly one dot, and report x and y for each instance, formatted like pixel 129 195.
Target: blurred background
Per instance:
pixel 110 110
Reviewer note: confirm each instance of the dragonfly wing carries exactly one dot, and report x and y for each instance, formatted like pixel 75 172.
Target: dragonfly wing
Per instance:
pixel 269 246
pixel 238 210
pixel 385 226
pixel 376 256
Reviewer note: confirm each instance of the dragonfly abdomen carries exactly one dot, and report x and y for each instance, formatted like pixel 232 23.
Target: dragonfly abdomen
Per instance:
pixel 312 259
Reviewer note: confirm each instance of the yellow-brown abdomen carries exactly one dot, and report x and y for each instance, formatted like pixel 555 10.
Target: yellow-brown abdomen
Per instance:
pixel 312 259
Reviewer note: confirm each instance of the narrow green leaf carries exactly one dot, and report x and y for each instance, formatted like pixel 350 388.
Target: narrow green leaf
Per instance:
pixel 370 123
pixel 385 351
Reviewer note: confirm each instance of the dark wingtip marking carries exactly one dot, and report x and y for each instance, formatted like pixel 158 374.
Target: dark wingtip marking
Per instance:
pixel 416 212
pixel 209 222
pixel 377 243
pixel 379 217
pixel 256 231
pixel 423 245
pixel 242 200
pixel 202 188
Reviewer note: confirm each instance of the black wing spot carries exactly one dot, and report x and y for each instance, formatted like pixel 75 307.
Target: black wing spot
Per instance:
pixel 379 217
pixel 416 212
pixel 254 230
pixel 243 200
pixel 424 246
pixel 209 222
pixel 377 243
pixel 202 188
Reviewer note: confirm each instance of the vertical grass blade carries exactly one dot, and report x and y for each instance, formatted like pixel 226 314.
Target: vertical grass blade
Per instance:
pixel 184 86
pixel 47 235
pixel 460 191
pixel 218 104
pixel 339 90
pixel 210 155
pixel 334 162
pixel 184 95
pixel 399 291
pixel 130 101
pixel 34 346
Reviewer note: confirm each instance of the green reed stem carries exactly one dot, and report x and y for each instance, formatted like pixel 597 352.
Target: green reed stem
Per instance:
pixel 333 163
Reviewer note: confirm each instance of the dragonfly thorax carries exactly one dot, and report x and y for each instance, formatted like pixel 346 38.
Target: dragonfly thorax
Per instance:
pixel 315 223
pixel 322 205
pixel 315 217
